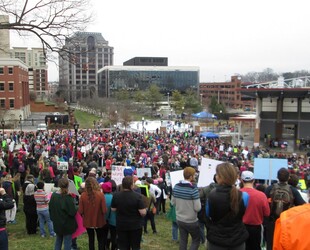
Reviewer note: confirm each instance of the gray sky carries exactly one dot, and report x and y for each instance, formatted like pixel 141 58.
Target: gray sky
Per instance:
pixel 222 37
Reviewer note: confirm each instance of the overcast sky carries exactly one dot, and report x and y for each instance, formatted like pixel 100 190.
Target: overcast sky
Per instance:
pixel 221 37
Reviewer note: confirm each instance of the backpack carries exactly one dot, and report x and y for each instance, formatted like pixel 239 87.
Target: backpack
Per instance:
pixel 281 199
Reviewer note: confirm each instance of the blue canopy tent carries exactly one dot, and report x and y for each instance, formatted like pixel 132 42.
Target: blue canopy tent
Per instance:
pixel 205 115
pixel 209 135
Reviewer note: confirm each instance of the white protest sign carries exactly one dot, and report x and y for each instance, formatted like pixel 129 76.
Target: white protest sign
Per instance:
pixel 141 172
pixel 48 188
pixel 207 171
pixel 117 174
pixel 176 177
pixel 62 165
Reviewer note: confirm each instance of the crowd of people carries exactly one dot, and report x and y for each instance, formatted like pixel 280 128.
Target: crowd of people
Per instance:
pixel 234 209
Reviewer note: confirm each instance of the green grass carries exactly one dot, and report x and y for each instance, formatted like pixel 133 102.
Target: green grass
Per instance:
pixel 19 240
pixel 85 119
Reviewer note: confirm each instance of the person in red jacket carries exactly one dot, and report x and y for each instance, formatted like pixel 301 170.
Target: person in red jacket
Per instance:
pixel 290 229
pixel 92 207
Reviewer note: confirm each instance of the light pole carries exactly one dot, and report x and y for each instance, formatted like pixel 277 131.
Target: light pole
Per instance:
pixel 20 123
pixel 142 125
pixel 168 99
pixel 76 128
pixel 2 123
pixel 116 118
pixel 201 95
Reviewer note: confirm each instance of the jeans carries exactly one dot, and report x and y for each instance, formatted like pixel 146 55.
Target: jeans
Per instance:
pixel 44 216
pixel 202 232
pixel 175 231
pixel 4 241
pixel 185 230
pixel 67 239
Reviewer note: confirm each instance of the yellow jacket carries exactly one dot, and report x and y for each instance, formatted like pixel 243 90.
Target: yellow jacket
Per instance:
pixel 291 229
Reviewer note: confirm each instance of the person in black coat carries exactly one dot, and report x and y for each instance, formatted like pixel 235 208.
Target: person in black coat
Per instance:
pixel 30 206
pixel 6 203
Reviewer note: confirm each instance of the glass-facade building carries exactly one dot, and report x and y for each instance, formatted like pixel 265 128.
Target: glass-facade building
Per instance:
pixel 133 78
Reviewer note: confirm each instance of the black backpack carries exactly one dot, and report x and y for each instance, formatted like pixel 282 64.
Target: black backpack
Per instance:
pixel 281 199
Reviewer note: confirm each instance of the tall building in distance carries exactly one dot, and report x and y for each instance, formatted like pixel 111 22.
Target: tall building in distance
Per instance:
pixel 37 68
pixel 147 61
pixel 4 38
pixel 84 54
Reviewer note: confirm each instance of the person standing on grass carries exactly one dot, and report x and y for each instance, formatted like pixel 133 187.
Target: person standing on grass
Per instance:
pixel 130 210
pixel 185 198
pixel 62 211
pixel 6 203
pixel 225 208
pixel 257 209
pixel 42 210
pixel 30 206
pixel 92 207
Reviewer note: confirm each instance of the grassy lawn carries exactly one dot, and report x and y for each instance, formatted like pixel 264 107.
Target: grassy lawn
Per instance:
pixel 18 238
pixel 85 119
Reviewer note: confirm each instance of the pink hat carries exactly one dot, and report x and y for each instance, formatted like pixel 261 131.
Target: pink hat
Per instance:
pixel 106 187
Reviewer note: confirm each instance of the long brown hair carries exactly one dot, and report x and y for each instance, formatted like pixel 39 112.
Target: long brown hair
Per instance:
pixel 91 185
pixel 228 175
pixel 63 183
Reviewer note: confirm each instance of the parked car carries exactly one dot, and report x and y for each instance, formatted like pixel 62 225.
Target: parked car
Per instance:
pixel 42 127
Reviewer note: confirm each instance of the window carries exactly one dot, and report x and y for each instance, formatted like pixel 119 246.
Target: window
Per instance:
pixel 10 70
pixel 1 70
pixel 11 103
pixel 1 86
pixel 2 103
pixel 11 86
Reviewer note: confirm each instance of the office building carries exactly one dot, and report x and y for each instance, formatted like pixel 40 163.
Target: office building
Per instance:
pixel 147 61
pixel 133 78
pixel 88 52
pixel 37 68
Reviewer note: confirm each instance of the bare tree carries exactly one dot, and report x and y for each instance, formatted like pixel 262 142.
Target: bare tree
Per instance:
pixel 51 21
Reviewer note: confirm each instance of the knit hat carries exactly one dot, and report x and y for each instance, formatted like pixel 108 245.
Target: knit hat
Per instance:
pixel 106 187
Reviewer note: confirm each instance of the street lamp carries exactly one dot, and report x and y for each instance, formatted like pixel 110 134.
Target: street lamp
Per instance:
pixel 168 99
pixel 116 118
pixel 20 123
pixel 76 128
pixel 201 95
pixel 2 123
pixel 143 125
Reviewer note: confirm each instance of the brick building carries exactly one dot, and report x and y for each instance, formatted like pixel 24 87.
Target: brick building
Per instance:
pixel 14 90
pixel 226 93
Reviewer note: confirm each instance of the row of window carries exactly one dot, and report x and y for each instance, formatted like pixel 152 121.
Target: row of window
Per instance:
pixel 11 86
pixel 10 69
pixel 11 103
